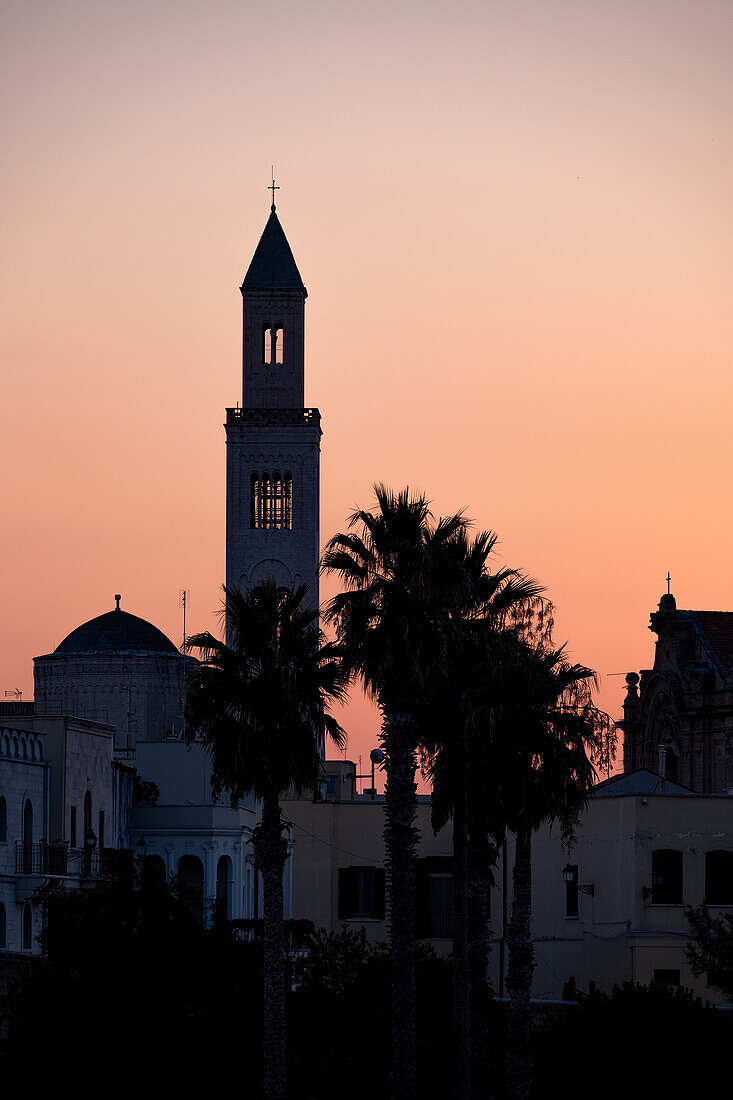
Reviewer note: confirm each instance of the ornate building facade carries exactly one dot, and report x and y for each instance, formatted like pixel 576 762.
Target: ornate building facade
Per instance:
pixel 678 715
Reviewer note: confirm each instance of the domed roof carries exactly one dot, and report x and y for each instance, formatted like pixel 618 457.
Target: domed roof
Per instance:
pixel 116 632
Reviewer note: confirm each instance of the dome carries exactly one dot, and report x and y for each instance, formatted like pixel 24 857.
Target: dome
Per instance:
pixel 116 632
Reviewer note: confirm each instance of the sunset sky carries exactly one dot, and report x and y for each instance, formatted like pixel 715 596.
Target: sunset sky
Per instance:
pixel 514 222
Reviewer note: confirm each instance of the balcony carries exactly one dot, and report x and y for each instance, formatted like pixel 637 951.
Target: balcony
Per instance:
pixel 61 861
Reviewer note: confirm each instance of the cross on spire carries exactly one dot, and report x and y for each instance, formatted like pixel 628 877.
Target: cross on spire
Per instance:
pixel 669 581
pixel 273 187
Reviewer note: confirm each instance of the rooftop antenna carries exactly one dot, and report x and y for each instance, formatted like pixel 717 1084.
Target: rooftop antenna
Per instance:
pixel 16 694
pixel 183 600
pixel 273 187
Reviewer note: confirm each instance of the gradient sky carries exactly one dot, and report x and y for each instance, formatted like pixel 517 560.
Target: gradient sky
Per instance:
pixel 514 223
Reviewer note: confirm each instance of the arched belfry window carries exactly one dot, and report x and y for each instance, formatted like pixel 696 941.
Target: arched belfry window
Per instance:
pixel 272 344
pixel 271 500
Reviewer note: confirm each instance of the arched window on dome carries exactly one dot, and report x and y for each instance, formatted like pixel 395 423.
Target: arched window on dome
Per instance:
pixel 3 819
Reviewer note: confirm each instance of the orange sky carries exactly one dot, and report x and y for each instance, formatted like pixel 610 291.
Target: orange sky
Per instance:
pixel 514 222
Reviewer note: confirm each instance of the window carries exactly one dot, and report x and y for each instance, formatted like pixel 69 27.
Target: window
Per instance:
pixel 271 500
pixel 667 977
pixel 667 863
pixel 224 888
pixel 191 884
pixel 3 927
pixel 719 878
pixel 72 828
pixel 434 897
pixel 272 345
pixel 361 893
pixel 27 928
pixel 571 893
pixel 87 818
pixel 3 819
pixel 28 837
pixel 101 830
pixel 153 872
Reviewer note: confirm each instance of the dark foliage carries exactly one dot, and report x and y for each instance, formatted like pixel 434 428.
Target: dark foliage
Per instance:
pixel 639 1041
pixel 339 1020
pixel 711 950
pixel 133 979
pixel 144 792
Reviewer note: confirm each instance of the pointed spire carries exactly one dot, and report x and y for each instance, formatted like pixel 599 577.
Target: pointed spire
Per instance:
pixel 273 266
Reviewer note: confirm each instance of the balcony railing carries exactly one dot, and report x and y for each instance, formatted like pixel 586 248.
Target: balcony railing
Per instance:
pixel 61 860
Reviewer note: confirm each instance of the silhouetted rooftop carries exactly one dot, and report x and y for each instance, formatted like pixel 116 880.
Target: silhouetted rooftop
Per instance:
pixel 116 632
pixel 273 266
pixel 640 781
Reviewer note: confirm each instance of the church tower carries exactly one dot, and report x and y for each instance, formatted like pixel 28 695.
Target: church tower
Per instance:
pixel 273 441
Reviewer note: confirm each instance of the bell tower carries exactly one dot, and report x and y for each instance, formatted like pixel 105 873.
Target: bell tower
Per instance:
pixel 273 441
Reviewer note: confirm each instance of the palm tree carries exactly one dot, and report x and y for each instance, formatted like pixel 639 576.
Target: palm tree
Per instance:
pixel 548 739
pixel 393 623
pixel 491 607
pixel 259 704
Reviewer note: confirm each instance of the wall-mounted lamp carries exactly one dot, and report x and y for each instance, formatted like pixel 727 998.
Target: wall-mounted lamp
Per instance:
pixel 141 848
pixel 657 880
pixel 568 874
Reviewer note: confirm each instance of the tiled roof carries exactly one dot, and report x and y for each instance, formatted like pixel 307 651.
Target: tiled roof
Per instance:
pixel 273 266
pixel 717 626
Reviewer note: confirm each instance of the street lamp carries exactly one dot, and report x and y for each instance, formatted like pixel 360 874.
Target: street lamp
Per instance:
pixel 568 874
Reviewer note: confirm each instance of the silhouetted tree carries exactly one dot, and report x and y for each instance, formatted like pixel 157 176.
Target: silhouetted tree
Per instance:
pixel 393 622
pixel 259 705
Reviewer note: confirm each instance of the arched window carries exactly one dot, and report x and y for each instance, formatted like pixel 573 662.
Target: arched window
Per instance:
pixel 87 824
pixel 3 818
pixel 267 345
pixel 719 878
pixel 667 865
pixel 27 928
pixel 672 766
pixel 3 927
pixel 153 870
pixel 278 339
pixel 271 500
pixel 224 888
pixel 27 837
pixel 191 884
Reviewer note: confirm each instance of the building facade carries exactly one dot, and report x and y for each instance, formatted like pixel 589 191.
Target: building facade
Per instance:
pixel 678 715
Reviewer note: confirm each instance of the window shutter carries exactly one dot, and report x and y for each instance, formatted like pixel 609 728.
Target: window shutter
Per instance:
pixel 378 903
pixel 343 893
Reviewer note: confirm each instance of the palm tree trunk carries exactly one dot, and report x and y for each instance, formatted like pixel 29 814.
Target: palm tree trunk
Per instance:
pixel 400 838
pixel 271 850
pixel 519 972
pixel 481 855
pixel 461 1012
